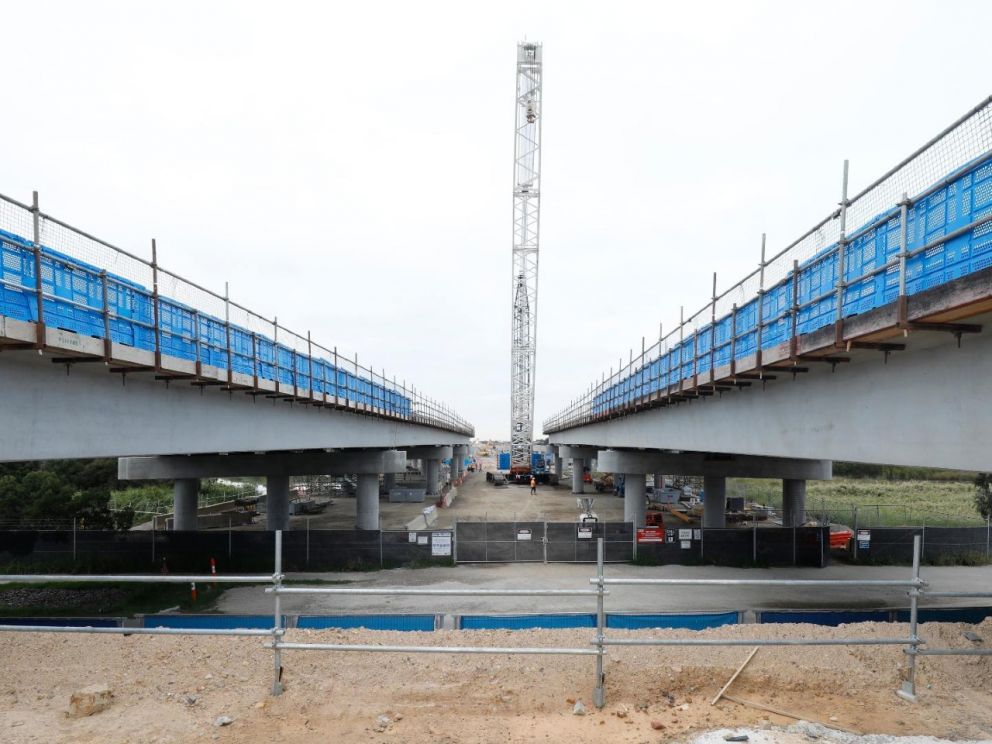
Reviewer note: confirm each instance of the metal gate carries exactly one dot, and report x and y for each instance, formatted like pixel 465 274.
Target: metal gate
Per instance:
pixel 541 542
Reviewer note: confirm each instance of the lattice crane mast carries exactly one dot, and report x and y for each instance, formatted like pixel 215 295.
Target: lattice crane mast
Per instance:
pixel 526 224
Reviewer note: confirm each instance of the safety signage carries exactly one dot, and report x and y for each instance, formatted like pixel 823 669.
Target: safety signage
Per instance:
pixel 523 534
pixel 441 543
pixel 585 533
pixel 864 539
pixel 685 534
pixel 650 535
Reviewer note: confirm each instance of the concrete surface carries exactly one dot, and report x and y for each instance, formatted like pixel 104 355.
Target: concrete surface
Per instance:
pixel 621 599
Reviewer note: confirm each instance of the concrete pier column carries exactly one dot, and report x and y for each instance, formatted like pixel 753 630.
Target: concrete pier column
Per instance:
pixel 277 502
pixel 367 495
pixel 558 465
pixel 634 501
pixel 793 502
pixel 432 472
pixel 577 484
pixel 185 493
pixel 659 481
pixel 715 504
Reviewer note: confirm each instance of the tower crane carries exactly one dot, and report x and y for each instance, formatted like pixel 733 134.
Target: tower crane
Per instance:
pixel 526 229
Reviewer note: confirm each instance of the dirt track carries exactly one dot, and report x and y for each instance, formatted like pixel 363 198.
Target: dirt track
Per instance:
pixel 477 698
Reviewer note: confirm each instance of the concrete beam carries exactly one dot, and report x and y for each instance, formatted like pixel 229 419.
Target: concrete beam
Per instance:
pixel 928 406
pixel 570 452
pixel 717 465
pixel 434 452
pixel 170 467
pixel 146 416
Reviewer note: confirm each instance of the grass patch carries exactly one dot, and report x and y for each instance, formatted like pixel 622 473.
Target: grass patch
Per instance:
pixel 879 502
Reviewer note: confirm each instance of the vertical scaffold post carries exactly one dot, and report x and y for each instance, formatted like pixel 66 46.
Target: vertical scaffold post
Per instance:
pixel 908 691
pixel 841 245
pixel 155 307
pixel 38 285
pixel 761 303
pixel 903 249
pixel 277 618
pixel 599 693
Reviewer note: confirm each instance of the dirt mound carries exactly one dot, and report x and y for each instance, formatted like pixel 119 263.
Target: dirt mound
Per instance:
pixel 174 689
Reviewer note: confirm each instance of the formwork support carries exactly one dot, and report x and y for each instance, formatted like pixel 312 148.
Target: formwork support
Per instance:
pixel 185 493
pixel 715 503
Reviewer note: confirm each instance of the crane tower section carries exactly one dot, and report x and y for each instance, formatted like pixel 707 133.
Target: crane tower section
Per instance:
pixel 526 229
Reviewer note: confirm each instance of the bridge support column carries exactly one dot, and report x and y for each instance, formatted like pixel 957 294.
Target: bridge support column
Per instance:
pixel 367 495
pixel 715 503
pixel 185 493
pixel 432 472
pixel 659 481
pixel 793 502
pixel 389 481
pixel 277 502
pixel 577 484
pixel 558 464
pixel 634 503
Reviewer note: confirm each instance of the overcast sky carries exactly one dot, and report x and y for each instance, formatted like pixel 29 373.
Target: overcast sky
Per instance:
pixel 348 166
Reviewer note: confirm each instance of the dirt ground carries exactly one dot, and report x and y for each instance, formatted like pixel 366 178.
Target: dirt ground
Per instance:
pixel 477 499
pixel 172 689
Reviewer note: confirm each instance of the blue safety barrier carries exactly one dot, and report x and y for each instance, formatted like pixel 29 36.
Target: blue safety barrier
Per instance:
pixel 962 197
pixel 211 622
pixel 371 622
pixel 526 622
pixel 973 615
pixel 697 621
pixel 74 301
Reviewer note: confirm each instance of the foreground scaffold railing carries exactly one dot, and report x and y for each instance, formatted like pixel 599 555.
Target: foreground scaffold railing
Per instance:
pixel 915 585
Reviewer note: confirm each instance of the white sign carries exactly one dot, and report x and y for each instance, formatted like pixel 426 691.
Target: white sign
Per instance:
pixel 686 544
pixel 585 533
pixel 423 539
pixel 413 537
pixel 441 543
pixel 697 534
pixel 685 535
pixel 523 534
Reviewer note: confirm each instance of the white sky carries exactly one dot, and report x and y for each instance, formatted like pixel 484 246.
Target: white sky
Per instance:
pixel 348 166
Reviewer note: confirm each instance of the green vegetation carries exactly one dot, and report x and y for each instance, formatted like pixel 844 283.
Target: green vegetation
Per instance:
pixel 59 492
pixel 879 502
pixel 73 599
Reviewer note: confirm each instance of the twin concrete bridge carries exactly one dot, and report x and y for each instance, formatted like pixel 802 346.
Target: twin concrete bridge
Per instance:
pixel 862 341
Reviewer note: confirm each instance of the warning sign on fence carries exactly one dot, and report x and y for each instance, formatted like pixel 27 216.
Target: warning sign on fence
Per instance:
pixel 864 539
pixel 441 543
pixel 523 534
pixel 650 535
pixel 584 533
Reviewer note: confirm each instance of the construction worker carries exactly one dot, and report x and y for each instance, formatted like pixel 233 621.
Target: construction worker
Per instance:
pixel 533 486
